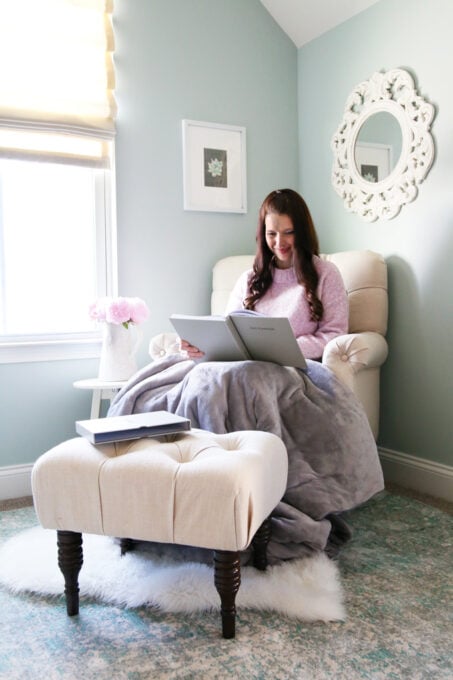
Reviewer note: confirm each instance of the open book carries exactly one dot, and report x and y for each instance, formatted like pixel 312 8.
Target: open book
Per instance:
pixel 241 335
pixel 135 426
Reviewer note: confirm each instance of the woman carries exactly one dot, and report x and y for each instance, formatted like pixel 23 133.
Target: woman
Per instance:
pixel 289 278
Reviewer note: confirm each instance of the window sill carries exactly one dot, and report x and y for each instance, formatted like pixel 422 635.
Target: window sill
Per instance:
pixel 49 350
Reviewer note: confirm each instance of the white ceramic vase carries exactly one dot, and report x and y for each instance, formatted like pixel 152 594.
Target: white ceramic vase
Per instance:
pixel 119 346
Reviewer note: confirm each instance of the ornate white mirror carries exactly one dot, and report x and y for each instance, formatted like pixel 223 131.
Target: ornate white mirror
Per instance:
pixel 383 148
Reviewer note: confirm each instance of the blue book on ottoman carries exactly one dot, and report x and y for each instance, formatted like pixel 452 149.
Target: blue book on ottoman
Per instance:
pixel 135 426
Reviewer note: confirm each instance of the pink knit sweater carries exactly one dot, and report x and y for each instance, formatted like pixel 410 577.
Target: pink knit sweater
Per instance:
pixel 286 297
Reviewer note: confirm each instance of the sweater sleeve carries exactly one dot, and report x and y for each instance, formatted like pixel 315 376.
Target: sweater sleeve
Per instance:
pixel 335 320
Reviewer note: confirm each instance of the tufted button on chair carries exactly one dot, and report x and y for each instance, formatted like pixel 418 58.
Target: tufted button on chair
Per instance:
pixel 356 357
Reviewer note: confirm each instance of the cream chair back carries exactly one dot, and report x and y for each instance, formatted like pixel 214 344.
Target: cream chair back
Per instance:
pixel 224 275
pixel 365 278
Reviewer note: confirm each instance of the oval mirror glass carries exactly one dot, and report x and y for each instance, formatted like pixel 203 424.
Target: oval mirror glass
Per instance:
pixel 378 146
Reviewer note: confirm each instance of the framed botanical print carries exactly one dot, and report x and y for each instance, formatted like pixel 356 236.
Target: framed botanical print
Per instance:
pixel 214 167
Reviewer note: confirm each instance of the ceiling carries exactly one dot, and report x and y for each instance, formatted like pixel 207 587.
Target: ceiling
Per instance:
pixel 304 20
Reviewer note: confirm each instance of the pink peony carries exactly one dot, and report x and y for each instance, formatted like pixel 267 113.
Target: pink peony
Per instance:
pixel 139 310
pixel 120 310
pixel 97 310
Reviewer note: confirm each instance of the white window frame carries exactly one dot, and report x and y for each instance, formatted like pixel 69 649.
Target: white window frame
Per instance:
pixel 87 345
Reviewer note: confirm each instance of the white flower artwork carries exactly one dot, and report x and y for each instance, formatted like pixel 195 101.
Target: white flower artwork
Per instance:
pixel 215 167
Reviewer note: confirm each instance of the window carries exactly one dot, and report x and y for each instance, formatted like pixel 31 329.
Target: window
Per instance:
pixel 54 252
pixel 56 256
pixel 57 235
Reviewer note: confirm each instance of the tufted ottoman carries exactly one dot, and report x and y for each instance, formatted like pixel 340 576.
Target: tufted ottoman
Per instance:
pixel 197 488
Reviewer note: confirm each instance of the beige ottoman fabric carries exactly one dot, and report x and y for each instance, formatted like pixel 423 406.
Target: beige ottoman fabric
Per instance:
pixel 197 488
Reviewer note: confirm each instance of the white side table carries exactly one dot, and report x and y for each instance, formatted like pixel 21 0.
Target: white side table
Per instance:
pixel 102 389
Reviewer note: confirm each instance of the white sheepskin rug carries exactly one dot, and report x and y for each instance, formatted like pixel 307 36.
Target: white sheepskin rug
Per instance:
pixel 308 589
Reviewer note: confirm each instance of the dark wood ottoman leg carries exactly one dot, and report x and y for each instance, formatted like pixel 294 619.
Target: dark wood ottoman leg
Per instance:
pixel 227 579
pixel 259 543
pixel 127 544
pixel 70 560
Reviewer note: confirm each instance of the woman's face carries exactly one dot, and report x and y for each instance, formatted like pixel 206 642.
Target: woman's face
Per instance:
pixel 279 233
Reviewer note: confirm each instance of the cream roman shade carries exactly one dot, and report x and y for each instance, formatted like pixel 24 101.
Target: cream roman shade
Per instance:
pixel 56 79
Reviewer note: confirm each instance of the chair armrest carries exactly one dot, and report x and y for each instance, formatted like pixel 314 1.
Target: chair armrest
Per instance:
pixel 349 354
pixel 163 345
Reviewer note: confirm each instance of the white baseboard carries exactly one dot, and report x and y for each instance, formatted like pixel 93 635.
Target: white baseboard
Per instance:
pixel 15 481
pixel 399 468
pixel 426 476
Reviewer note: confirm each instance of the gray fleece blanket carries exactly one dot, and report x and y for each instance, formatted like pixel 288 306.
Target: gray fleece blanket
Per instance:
pixel 333 459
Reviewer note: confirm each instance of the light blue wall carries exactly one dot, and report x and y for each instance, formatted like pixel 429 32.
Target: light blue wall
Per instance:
pixel 209 60
pixel 417 388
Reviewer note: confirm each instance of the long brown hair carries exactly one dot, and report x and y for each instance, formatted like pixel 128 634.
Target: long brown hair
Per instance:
pixel 286 202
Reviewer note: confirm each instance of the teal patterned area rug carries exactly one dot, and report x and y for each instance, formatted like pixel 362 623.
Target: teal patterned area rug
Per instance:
pixel 396 576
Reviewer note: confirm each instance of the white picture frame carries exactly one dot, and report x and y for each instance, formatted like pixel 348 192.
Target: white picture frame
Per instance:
pixel 214 167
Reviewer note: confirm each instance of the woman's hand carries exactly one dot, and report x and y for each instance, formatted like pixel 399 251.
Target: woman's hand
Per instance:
pixel 193 352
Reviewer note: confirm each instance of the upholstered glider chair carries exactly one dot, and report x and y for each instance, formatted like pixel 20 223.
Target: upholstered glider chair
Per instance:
pixel 356 357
